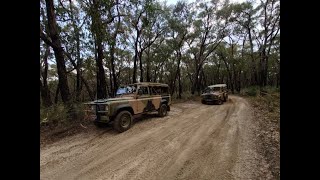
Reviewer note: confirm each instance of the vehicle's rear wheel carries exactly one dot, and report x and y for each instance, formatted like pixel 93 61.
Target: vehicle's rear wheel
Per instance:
pixel 123 121
pixel 162 110
pixel 219 101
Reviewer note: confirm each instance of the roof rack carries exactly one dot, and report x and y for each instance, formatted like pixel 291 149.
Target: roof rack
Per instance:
pixel 218 85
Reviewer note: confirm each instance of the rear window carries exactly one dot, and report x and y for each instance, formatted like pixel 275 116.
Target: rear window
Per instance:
pixel 158 90
pixel 164 90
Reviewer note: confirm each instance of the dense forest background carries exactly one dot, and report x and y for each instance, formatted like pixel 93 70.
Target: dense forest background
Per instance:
pixel 89 48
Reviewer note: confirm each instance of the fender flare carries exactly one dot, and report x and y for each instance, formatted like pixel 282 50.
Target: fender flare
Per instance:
pixel 121 106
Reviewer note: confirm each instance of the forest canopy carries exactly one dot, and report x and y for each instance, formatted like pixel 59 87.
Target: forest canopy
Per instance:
pixel 89 48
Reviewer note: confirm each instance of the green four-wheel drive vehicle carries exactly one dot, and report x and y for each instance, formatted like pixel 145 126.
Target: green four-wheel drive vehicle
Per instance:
pixel 138 98
pixel 217 93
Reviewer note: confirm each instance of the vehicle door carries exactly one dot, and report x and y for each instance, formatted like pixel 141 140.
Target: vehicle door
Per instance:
pixel 143 99
pixel 155 94
pixel 223 91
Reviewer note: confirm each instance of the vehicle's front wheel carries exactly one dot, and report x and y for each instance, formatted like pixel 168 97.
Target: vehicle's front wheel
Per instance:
pixel 203 102
pixel 219 101
pixel 224 98
pixel 162 110
pixel 123 121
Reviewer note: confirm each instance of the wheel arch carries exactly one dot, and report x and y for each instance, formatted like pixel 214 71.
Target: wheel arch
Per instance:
pixel 124 107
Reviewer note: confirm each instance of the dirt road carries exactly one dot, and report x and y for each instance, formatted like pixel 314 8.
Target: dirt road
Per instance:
pixel 194 141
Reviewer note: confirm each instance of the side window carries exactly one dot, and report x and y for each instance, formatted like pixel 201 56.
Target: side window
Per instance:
pixel 153 90
pixel 158 89
pixel 144 90
pixel 164 91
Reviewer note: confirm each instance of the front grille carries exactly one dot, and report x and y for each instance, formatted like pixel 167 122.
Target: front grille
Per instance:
pixel 101 110
pixel 100 107
pixel 208 96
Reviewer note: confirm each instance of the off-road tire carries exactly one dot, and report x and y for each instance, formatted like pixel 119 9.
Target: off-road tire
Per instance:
pixel 225 98
pixel 219 101
pixel 203 102
pixel 163 111
pixel 123 121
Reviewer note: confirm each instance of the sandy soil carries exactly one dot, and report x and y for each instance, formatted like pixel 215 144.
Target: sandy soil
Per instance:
pixel 195 141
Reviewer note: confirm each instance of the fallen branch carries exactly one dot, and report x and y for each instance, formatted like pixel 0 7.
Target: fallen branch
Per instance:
pixel 83 126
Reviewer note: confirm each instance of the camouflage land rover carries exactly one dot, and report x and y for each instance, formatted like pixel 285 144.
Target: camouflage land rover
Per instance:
pixel 138 98
pixel 217 93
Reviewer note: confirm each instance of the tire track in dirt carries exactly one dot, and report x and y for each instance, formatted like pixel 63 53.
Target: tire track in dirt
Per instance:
pixel 195 141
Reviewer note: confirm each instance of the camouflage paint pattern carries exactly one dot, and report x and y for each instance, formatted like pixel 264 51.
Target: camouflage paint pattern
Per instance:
pixel 139 104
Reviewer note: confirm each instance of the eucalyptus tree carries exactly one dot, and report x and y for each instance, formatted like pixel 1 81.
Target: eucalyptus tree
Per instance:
pixel 52 38
pixel 208 30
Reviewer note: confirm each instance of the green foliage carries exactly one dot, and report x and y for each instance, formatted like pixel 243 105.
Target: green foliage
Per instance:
pixel 53 115
pixel 200 32
pixel 59 114
pixel 250 91
pixel 260 91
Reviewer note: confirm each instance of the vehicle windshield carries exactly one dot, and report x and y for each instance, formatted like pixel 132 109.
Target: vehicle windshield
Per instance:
pixel 207 90
pixel 210 90
pixel 215 89
pixel 125 90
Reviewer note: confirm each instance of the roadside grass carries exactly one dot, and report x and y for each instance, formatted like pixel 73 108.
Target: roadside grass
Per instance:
pixel 59 114
pixel 266 109
pixel 185 96
pixel 55 122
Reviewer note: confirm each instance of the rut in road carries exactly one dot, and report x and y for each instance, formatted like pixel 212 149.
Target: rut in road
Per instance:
pixel 194 141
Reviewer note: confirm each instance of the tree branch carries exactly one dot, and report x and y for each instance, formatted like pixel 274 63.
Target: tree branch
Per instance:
pixel 46 39
pixel 210 51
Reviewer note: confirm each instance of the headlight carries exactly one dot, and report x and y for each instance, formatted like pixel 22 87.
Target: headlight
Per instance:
pixel 100 107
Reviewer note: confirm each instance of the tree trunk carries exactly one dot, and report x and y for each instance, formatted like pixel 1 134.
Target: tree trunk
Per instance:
pixel 58 52
pixel 278 75
pixel 79 61
pixel 155 75
pixel 195 83
pixel 141 67
pixel 233 68
pixel 112 59
pixel 110 82
pixel 217 76
pixel 178 68
pixel 96 28
pixel 56 98
pixel 148 65
pixel 114 85
pixel 101 79
pixel 134 77
pixel 195 77
pixel 161 74
pixel 180 86
pixel 239 82
pixel 45 93
pixel 254 78
pixel 204 80
pixel 229 74
pixel 91 95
